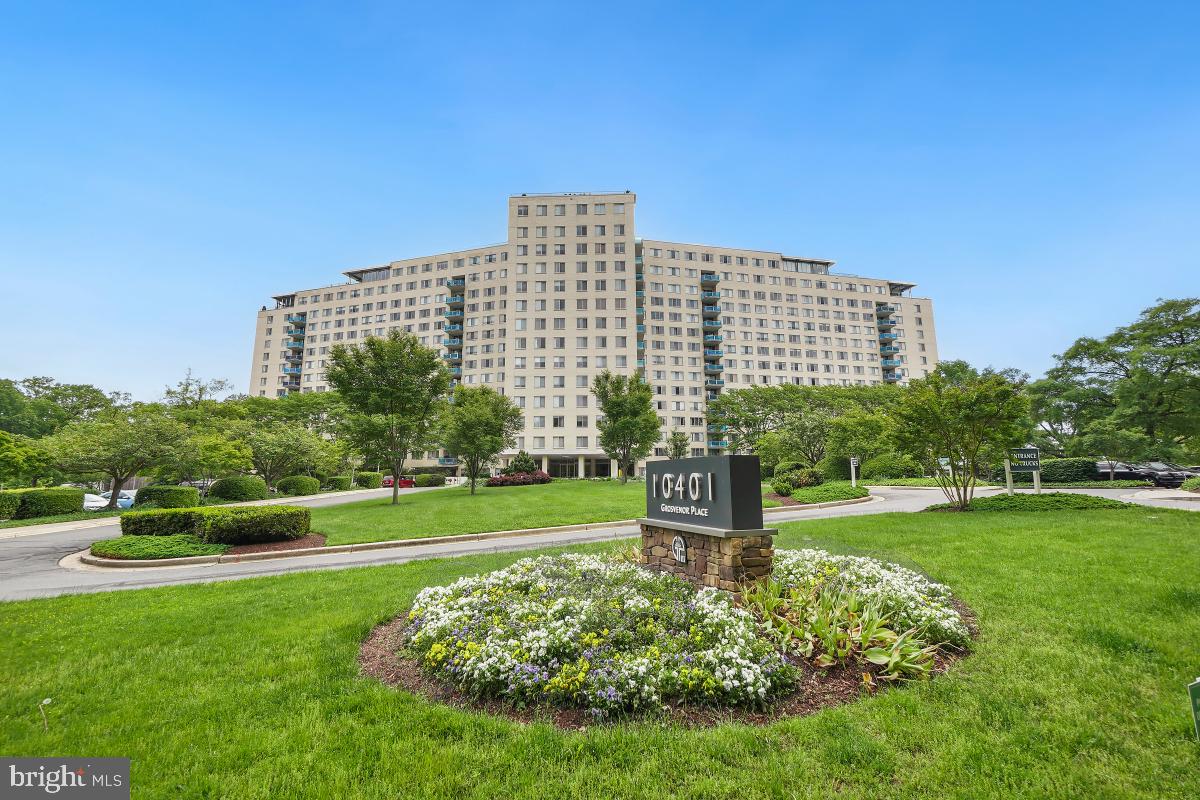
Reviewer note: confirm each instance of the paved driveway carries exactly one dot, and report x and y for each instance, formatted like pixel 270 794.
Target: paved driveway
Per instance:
pixel 29 565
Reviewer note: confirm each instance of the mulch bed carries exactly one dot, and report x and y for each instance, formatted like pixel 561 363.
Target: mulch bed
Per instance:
pixel 784 500
pixel 311 540
pixel 381 656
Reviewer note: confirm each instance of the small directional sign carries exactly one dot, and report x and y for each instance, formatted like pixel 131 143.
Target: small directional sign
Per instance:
pixel 1025 459
pixel 853 461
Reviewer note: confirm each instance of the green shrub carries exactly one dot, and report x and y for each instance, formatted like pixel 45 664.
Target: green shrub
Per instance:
pixel 42 502
pixel 890 465
pixel 522 462
pixel 829 492
pixel 369 480
pixel 1191 484
pixel 338 483
pixel 802 478
pixel 237 525
pixel 239 487
pixel 782 487
pixel 1048 501
pixel 1063 470
pixel 430 479
pixel 784 467
pixel 252 525
pixel 180 545
pixel 161 522
pixel 834 468
pixel 295 485
pixel 10 501
pixel 166 496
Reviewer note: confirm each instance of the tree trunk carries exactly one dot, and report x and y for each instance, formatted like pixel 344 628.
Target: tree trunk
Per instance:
pixel 118 484
pixel 395 486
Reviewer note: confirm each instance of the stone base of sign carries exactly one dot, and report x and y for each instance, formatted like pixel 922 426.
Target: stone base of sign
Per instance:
pixel 717 558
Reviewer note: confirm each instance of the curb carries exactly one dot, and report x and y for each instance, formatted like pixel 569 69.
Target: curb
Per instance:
pixel 122 563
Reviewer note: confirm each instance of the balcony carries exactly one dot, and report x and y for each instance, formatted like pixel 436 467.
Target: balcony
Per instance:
pixel 718 444
pixel 291 370
pixel 641 328
pixel 711 325
pixel 709 279
pixel 296 319
pixel 714 353
pixel 641 312
pixel 714 382
pixel 713 369
pixel 889 362
pixel 887 337
pixel 710 396
pixel 891 376
pixel 293 344
pixel 640 277
pixel 452 313
pixel 711 311
pixel 456 283
pixel 447 461
pixel 887 348
pixel 641 363
pixel 452 328
pixel 295 358
pixel 710 295
pixel 716 428
pixel 883 311
pixel 641 345
pixel 639 294
pixel 455 301
pixel 713 338
pixel 452 344
pixel 294 332
pixel 886 322
pixel 452 356
pixel 456 372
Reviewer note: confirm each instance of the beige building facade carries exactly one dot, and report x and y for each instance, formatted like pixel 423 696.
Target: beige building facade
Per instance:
pixel 573 291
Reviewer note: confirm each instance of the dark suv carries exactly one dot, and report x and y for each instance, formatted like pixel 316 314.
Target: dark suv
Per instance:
pixel 1122 471
pixel 1164 474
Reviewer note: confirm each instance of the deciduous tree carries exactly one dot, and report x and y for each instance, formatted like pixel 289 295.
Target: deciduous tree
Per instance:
pixel 477 425
pixel 629 428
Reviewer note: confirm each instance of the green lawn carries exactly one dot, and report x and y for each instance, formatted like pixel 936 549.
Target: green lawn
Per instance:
pixel 444 512
pixel 250 689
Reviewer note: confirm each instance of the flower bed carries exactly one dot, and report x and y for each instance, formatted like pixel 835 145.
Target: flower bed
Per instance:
pixel 586 632
pixel 907 598
pixel 519 479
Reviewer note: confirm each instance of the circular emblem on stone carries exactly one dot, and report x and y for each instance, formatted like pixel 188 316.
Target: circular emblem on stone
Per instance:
pixel 679 549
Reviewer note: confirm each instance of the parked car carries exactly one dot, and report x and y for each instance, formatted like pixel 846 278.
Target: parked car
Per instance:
pixel 99 502
pixel 1121 471
pixel 1192 472
pixel 405 482
pixel 1163 475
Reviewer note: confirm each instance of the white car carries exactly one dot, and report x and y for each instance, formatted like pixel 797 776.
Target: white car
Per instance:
pixel 98 502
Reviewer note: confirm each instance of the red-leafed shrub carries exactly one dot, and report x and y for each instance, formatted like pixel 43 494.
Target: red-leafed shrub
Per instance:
pixel 519 479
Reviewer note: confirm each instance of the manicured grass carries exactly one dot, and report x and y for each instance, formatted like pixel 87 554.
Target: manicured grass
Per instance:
pixel 180 545
pixel 453 510
pixel 930 482
pixel 829 492
pixel 250 689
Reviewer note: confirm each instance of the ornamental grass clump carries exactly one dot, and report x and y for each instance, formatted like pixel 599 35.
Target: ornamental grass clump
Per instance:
pixel 909 600
pixel 584 631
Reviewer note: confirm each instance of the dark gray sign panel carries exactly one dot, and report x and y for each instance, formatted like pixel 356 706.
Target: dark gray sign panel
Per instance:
pixel 1025 459
pixel 722 492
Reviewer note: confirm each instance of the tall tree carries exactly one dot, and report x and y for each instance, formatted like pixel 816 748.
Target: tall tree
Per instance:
pixel 966 417
pixel 281 450
pixel 398 383
pixel 39 406
pixel 192 390
pixel 677 444
pixel 477 425
pixel 119 445
pixel 629 427
pixel 1145 376
pixel 1112 442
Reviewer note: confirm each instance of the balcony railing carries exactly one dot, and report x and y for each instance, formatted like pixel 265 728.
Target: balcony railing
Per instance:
pixel 714 382
pixel 718 444
pixel 889 362
pixel 452 313
pixel 456 283
pixel 296 319
pixel 452 356
pixel 294 332
pixel 709 278
pixel 713 368
pixel 887 337
pixel 885 322
pixel 714 353
pixel 452 343
pixel 713 338
pixel 711 324
pixel 291 370
pixel 710 295
pixel 891 376
pixel 450 328
pixel 641 312
pixel 887 348
pixel 641 328
pixel 883 311
pixel 447 461
pixel 455 301
pixel 293 344
pixel 711 311
pixel 456 371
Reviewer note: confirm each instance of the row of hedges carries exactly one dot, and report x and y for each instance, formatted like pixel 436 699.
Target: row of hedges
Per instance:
pixel 239 487
pixel 1050 501
pixel 519 479
pixel 829 492
pixel 30 503
pixel 338 483
pixel 221 525
pixel 1191 485
pixel 1063 470
pixel 368 480
pixel 165 496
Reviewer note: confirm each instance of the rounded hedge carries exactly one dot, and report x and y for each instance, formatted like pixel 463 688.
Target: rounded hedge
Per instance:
pixel 221 525
pixel 166 496
pixel 369 480
pixel 338 483
pixel 1063 470
pixel 782 487
pixel 430 479
pixel 890 465
pixel 239 487
pixel 295 485
pixel 30 503
pixel 784 467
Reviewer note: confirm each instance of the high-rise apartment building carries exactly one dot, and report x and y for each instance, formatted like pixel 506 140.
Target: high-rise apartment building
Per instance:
pixel 573 290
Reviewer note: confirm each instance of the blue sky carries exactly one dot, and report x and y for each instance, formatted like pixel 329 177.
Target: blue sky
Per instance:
pixel 166 167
